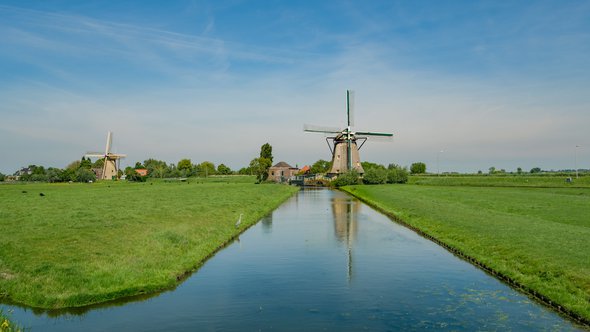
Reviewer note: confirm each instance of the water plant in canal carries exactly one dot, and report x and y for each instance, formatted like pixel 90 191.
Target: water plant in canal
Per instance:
pixel 6 325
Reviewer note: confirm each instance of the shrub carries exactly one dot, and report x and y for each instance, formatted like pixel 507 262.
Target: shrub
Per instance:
pixel 349 178
pixel 397 174
pixel 375 176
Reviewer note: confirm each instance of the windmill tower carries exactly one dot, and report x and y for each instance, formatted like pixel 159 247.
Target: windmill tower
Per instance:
pixel 110 167
pixel 345 151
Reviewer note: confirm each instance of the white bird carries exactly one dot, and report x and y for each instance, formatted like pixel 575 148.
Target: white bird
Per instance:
pixel 239 221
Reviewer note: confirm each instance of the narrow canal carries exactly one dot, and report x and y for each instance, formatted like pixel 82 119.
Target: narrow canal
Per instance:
pixel 321 261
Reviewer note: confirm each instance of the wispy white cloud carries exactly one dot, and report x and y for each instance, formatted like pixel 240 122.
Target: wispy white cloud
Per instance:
pixel 171 53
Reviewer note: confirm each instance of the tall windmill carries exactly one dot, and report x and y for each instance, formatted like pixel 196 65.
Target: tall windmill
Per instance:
pixel 345 151
pixel 110 167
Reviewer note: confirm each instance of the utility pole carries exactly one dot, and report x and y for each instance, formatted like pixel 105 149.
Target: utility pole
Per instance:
pixel 576 159
pixel 437 162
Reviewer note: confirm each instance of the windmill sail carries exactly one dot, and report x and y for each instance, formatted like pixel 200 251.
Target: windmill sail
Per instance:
pixel 321 129
pixel 350 107
pixel 368 133
pixel 108 147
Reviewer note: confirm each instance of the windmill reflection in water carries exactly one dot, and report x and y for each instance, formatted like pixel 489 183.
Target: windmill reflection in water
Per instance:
pixel 345 212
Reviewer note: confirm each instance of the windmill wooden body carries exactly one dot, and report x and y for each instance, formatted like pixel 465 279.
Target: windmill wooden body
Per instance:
pixel 344 148
pixel 110 167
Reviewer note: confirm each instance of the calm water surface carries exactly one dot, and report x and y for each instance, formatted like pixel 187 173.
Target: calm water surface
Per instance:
pixel 322 261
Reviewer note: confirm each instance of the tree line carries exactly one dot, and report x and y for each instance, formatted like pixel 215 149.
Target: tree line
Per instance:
pixel 81 170
pixel 185 168
pixel 77 171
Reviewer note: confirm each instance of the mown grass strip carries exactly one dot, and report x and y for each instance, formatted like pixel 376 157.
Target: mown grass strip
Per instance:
pixel 81 244
pixel 533 238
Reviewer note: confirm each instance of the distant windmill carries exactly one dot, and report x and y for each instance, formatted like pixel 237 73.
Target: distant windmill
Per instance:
pixel 109 168
pixel 345 152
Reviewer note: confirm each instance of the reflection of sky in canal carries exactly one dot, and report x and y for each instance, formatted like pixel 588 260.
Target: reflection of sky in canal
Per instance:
pixel 324 261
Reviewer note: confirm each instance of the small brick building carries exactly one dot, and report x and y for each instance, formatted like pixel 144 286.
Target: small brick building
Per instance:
pixel 281 172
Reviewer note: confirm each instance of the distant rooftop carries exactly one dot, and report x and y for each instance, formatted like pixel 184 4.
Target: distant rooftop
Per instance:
pixel 282 164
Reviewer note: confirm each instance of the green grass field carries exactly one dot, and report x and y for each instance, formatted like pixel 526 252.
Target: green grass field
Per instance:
pixel 539 237
pixel 81 244
pixel 545 181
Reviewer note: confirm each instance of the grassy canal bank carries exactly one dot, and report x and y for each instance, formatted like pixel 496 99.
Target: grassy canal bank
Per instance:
pixel 536 238
pixel 536 181
pixel 79 244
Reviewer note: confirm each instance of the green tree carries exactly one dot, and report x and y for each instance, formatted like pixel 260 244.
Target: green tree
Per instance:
pixel 68 174
pixel 84 175
pixel 266 152
pixel 185 165
pixel 54 175
pixel 158 171
pixel 320 166
pixel 223 170
pixel 205 169
pixel 156 168
pixel 2 177
pixel 369 165
pixel 74 165
pixel 173 171
pixel 418 168
pixel 535 170
pixel 138 165
pixel 492 170
pixel 259 167
pixel 99 163
pixel 245 171
pixel 37 170
pixel 85 163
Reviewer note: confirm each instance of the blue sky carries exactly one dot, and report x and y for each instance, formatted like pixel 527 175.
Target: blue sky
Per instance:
pixel 490 83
